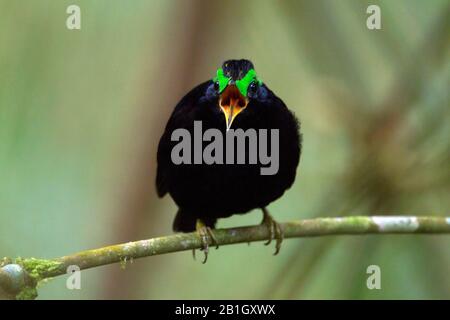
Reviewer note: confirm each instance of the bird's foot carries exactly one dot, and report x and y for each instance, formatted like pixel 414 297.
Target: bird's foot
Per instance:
pixel 275 230
pixel 207 237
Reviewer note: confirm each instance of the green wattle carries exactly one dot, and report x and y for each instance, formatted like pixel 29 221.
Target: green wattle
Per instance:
pixel 245 81
pixel 222 79
pixel 242 84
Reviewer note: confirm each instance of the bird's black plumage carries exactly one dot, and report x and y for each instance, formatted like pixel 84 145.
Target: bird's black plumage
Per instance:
pixel 209 192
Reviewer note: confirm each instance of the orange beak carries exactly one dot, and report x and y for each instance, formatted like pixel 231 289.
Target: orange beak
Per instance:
pixel 232 102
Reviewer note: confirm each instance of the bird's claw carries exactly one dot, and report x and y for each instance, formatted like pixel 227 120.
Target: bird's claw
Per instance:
pixel 207 237
pixel 275 231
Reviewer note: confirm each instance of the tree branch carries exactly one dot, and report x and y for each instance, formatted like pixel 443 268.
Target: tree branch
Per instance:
pixel 19 277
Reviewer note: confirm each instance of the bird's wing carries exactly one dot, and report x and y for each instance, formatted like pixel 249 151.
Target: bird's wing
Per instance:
pixel 180 115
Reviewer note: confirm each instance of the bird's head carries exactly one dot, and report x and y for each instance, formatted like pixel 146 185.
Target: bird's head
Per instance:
pixel 236 84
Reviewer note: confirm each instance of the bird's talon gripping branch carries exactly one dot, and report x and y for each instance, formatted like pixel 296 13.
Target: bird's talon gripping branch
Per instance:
pixel 275 230
pixel 267 220
pixel 207 237
pixel 269 224
pixel 212 237
pixel 279 235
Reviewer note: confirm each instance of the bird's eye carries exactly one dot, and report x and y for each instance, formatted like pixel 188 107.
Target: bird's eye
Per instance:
pixel 216 86
pixel 252 88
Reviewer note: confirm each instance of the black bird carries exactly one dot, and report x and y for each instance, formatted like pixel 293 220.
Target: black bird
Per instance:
pixel 235 98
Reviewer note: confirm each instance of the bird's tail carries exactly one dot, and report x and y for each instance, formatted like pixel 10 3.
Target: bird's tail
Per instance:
pixel 184 222
pixel 187 222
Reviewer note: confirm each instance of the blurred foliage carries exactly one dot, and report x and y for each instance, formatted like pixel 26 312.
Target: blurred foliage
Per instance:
pixel 81 113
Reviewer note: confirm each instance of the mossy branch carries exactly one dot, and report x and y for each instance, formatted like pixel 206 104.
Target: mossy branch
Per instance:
pixel 19 277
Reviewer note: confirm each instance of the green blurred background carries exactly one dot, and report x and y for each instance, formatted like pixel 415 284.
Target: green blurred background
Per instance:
pixel 81 113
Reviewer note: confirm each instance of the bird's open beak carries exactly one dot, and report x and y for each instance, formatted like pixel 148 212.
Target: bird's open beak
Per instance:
pixel 232 102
